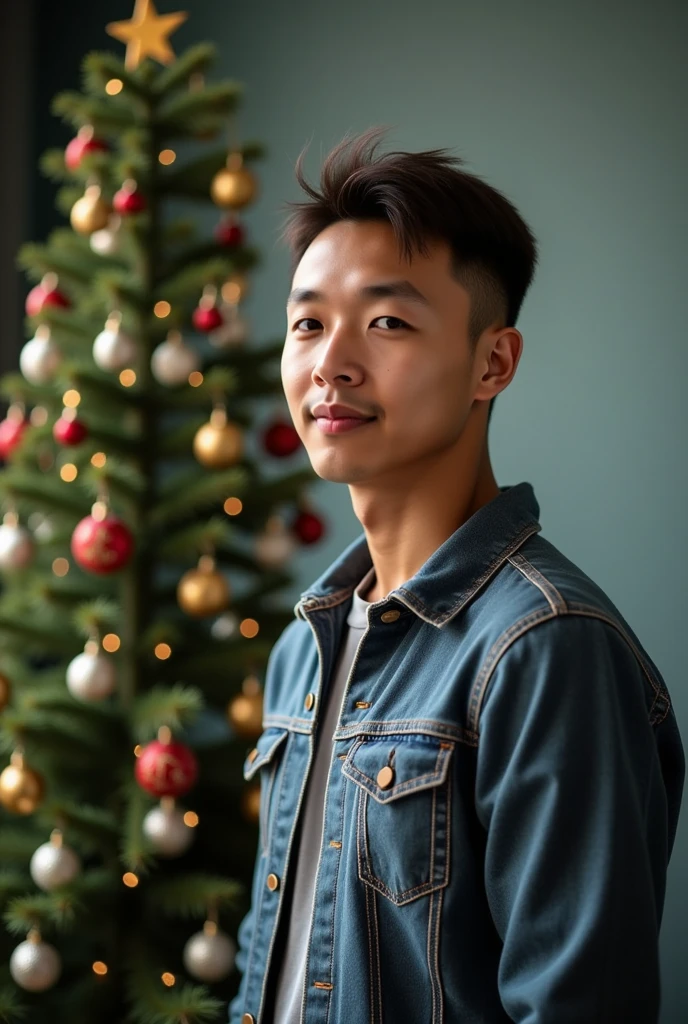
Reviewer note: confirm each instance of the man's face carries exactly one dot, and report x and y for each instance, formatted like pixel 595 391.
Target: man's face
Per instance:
pixel 402 359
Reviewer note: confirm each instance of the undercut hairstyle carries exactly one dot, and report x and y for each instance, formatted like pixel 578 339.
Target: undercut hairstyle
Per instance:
pixel 424 196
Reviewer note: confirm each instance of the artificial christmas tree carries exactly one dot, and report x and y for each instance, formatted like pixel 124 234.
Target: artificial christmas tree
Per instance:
pixel 142 553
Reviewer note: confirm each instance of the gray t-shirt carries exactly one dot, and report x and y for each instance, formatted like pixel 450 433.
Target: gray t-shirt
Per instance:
pixel 289 991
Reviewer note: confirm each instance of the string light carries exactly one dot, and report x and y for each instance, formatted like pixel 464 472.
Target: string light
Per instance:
pixel 99 967
pixel 233 506
pixel 111 642
pixel 195 378
pixel 69 472
pixel 162 309
pixel 162 651
pixel 98 459
pixel 60 566
pixel 127 378
pixel 167 156
pixel 168 979
pixel 191 819
pixel 71 398
pixel 248 627
pixel 114 86
pixel 130 879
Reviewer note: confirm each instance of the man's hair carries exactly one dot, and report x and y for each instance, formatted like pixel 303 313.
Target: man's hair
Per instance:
pixel 424 196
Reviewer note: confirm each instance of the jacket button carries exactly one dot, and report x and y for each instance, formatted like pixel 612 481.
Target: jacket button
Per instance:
pixel 385 777
pixel 309 701
pixel 253 754
pixel 390 616
pixel 248 1018
pixel 272 882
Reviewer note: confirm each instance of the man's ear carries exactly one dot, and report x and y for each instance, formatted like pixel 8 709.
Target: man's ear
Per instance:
pixel 496 361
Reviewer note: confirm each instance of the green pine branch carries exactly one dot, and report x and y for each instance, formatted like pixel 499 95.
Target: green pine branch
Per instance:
pixel 175 706
pixel 190 894
pixel 194 490
pixel 197 59
pixel 12 1010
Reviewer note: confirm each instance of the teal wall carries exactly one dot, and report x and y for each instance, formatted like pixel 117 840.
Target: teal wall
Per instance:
pixel 577 112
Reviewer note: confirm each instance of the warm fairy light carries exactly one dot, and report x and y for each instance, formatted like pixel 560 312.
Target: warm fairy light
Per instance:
pixel 195 378
pixel 231 292
pixel 248 627
pixel 130 879
pixel 39 416
pixel 111 642
pixel 162 651
pixel 113 86
pixel 233 506
pixel 99 967
pixel 167 156
pixel 168 979
pixel 138 750
pixel 69 472
pixel 71 398
pixel 127 378
pixel 98 459
pixel 162 309
pixel 60 566
pixel 191 819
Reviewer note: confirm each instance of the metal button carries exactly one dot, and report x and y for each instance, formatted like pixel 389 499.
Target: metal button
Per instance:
pixel 248 1018
pixel 309 701
pixel 253 754
pixel 390 616
pixel 385 777
pixel 272 882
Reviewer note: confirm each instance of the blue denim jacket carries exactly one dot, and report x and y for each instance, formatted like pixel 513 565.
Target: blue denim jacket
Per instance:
pixel 514 867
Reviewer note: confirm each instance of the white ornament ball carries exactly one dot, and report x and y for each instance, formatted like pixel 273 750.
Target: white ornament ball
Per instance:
pixel 91 676
pixel 232 331
pixel 52 866
pixel 167 831
pixel 225 626
pixel 209 955
pixel 40 358
pixel 276 545
pixel 173 361
pixel 16 546
pixel 106 241
pixel 113 350
pixel 35 965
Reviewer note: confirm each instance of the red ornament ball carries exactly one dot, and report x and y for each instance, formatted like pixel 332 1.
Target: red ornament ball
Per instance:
pixel 308 527
pixel 128 200
pixel 281 439
pixel 11 431
pixel 83 143
pixel 207 319
pixel 39 297
pixel 166 769
pixel 102 546
pixel 69 431
pixel 229 232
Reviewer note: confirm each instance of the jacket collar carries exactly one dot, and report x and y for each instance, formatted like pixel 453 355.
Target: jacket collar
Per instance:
pixel 452 574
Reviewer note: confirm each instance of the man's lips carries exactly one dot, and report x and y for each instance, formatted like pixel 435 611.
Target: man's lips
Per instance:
pixel 341 424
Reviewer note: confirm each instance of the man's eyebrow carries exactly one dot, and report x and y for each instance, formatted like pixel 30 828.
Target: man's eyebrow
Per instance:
pixel 384 290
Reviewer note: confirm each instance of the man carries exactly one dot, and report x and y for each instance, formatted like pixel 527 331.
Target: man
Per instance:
pixel 470 767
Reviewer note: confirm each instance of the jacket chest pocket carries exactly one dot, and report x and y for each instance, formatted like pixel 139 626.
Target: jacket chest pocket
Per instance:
pixel 265 758
pixel 402 813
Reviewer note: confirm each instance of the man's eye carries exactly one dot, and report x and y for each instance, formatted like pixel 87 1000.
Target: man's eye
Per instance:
pixel 310 319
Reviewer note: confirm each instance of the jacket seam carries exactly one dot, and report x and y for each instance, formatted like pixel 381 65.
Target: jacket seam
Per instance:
pixel 535 618
pixel 553 597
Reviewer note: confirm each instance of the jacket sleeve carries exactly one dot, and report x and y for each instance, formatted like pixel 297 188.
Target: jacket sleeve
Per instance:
pixel 569 788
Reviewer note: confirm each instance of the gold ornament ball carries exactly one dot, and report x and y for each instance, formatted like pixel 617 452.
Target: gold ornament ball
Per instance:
pixel 203 591
pixel 5 691
pixel 250 802
pixel 218 444
pixel 245 713
pixel 91 212
pixel 21 788
pixel 232 188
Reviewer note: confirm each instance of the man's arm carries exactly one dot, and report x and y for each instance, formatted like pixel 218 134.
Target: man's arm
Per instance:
pixel 569 788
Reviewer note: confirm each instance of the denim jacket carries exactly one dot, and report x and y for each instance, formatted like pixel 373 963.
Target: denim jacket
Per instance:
pixel 502 797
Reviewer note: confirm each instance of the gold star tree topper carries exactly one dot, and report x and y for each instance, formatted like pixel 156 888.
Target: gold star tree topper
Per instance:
pixel 146 34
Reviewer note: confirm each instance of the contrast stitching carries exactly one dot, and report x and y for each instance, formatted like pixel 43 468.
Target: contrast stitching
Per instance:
pixel 554 598
pixel 401 726
pixel 434 778
pixel 427 953
pixel 438 921
pixel 377 957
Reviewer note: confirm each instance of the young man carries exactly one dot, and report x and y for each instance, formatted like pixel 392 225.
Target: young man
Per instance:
pixel 470 767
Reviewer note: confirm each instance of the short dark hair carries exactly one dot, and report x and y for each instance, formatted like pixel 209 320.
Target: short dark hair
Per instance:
pixel 424 196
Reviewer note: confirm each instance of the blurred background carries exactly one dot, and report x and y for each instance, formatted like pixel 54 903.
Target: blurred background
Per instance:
pixel 577 113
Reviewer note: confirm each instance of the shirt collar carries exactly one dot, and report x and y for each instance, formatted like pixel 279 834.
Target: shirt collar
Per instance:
pixel 453 573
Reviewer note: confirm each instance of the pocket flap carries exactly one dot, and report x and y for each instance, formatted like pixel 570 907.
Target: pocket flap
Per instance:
pixel 418 762
pixel 266 745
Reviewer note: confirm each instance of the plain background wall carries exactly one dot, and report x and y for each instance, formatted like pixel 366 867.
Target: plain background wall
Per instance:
pixel 577 113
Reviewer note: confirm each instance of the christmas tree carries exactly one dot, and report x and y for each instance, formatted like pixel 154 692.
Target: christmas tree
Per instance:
pixel 142 551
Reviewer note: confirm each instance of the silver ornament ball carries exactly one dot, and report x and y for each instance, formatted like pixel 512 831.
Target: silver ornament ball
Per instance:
pixel 16 546
pixel 172 362
pixel 113 350
pixel 225 626
pixel 209 955
pixel 167 831
pixel 40 358
pixel 35 965
pixel 91 676
pixel 276 545
pixel 232 331
pixel 52 866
